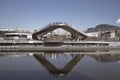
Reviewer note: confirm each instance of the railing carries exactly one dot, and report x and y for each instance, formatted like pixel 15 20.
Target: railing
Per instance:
pixel 54 23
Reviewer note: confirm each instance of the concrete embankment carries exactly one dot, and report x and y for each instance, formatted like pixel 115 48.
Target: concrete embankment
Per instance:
pixel 59 48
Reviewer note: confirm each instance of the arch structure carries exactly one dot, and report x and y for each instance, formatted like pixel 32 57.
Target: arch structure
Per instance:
pixel 75 34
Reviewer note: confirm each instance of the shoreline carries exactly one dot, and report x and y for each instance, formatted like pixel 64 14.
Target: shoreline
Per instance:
pixel 55 48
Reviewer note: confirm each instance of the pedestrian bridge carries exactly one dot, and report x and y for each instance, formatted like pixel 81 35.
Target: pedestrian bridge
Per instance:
pixel 76 34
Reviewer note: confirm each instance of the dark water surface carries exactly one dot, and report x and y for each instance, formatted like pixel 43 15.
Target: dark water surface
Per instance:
pixel 59 66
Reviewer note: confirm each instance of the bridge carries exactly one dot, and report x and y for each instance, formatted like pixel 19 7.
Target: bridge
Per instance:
pixel 75 34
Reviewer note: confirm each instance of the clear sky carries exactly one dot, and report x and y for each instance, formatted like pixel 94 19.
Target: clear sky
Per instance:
pixel 35 14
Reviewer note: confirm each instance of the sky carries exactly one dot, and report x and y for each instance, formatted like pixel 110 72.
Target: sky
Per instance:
pixel 35 14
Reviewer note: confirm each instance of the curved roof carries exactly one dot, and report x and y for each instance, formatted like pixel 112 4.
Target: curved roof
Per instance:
pixel 56 25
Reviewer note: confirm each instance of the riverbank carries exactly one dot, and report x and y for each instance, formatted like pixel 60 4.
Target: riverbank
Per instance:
pixel 55 48
pixel 69 46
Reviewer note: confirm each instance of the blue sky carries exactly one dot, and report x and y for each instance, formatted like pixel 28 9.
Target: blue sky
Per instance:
pixel 35 14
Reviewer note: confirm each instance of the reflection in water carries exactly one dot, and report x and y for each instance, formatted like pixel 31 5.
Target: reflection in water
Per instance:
pixel 55 71
pixel 106 57
pixel 77 66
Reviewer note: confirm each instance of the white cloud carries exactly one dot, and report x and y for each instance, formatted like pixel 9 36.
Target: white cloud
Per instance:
pixel 118 21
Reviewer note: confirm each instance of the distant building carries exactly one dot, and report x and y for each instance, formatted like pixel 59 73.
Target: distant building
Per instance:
pixel 3 31
pixel 105 32
pixel 18 36
pixel 17 33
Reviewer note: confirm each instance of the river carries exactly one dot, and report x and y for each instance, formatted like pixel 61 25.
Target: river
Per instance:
pixel 59 66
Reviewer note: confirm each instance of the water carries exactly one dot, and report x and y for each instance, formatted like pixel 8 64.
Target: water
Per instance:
pixel 59 66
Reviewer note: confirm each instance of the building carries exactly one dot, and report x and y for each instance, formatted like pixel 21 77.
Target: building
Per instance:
pixel 104 32
pixel 18 36
pixel 3 31
pixel 11 34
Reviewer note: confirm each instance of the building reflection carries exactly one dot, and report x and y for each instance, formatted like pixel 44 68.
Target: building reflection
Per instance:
pixel 56 72
pixel 4 54
pixel 105 58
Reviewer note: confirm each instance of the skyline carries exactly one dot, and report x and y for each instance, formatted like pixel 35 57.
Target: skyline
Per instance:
pixel 35 14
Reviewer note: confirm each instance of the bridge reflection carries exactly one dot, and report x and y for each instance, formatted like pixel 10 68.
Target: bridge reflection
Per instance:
pixel 55 71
